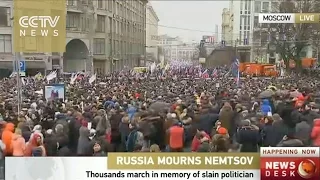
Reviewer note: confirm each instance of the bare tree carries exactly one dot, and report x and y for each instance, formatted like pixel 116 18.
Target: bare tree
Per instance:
pixel 291 39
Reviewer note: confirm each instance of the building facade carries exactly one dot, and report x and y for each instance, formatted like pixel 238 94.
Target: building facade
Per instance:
pixel 250 38
pixel 226 27
pixel 175 50
pixel 102 36
pixel 152 37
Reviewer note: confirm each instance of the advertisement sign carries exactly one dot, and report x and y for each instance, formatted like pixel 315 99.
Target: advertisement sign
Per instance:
pixel 54 91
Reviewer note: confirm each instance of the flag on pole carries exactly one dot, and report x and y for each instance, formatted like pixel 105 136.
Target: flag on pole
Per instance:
pixel 23 81
pixel 51 76
pixel 209 39
pixel 153 67
pixel 205 74
pixel 13 74
pixel 235 70
pixel 38 76
pixel 73 78
pixel 92 78
pixel 215 73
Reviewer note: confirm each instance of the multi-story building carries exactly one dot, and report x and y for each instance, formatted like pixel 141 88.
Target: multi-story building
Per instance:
pixel 102 36
pixel 151 35
pixel 174 49
pixel 226 27
pixel 252 39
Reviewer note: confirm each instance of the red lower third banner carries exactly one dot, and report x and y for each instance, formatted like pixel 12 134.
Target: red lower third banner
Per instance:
pixel 290 163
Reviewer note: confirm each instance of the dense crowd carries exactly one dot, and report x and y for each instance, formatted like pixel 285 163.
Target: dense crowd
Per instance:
pixel 175 113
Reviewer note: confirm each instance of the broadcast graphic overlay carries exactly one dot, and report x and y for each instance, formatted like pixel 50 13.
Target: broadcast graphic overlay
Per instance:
pixel 290 18
pixel 290 163
pixel 128 166
pixel 39 26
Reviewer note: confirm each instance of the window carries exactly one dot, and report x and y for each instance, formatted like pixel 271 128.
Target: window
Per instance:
pixel 73 20
pixel 72 2
pixel 100 4
pixel 256 21
pixel 265 7
pixel 5 44
pixel 99 46
pixel 4 17
pixel 274 7
pixel 101 23
pixel 257 6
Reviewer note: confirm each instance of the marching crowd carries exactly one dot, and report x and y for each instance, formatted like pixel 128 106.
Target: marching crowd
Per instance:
pixel 174 113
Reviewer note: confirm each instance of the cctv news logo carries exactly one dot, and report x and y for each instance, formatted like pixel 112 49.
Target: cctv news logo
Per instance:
pixel 290 163
pixel 39 26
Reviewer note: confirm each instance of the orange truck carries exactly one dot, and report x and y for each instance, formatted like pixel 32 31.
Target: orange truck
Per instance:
pixel 255 69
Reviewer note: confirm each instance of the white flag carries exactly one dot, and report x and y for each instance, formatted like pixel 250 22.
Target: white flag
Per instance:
pixel 52 75
pixel 92 78
pixel 13 74
pixel 23 81
pixel 153 67
pixel 73 78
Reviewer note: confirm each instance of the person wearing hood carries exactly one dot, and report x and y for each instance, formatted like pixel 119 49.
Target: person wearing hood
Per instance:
pixel 37 130
pixel 34 142
pixel 50 143
pixel 315 133
pixel 84 143
pixel 266 107
pixel 248 137
pixel 39 149
pixel 131 111
pixel 18 143
pixel 226 115
pixel 196 142
pixel 7 136
pixel 61 136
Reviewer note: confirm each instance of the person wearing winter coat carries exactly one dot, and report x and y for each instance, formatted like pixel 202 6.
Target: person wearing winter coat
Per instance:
pixel 124 130
pixel 18 143
pixel 98 150
pixel 315 133
pixel 290 140
pixel 84 143
pixel 266 107
pixel 303 130
pixel 7 136
pixel 32 144
pixel 135 138
pixel 226 115
pixel 103 123
pixel 50 143
pixel 61 136
pixel 248 137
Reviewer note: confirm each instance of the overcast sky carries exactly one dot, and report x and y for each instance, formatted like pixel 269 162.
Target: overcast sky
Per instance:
pixel 196 15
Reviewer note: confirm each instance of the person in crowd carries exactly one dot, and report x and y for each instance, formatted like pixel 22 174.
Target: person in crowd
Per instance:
pixel 248 137
pixel 315 133
pixel 7 136
pixel 18 143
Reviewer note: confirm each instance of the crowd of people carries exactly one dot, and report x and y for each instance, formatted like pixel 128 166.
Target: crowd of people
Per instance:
pixel 177 112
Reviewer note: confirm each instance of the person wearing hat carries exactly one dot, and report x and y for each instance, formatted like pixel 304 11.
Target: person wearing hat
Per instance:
pixel 248 137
